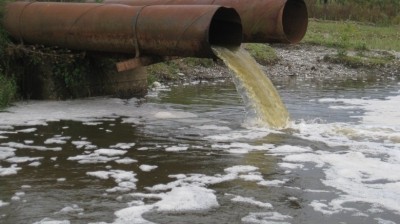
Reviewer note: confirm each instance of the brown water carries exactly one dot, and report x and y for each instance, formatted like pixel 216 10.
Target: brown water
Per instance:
pixel 256 89
pixel 183 155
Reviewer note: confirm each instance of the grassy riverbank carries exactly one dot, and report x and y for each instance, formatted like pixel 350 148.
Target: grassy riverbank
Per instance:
pixel 352 35
pixel 358 45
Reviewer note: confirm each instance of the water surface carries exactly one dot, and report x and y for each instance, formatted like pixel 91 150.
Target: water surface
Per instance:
pixel 186 155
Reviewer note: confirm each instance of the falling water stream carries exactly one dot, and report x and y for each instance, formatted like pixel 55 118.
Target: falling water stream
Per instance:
pixel 259 94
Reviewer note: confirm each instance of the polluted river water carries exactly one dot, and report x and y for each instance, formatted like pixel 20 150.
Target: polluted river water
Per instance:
pixel 187 154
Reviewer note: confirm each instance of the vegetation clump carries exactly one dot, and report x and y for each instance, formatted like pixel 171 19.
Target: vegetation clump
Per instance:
pixel 361 59
pixel 7 90
pixel 262 53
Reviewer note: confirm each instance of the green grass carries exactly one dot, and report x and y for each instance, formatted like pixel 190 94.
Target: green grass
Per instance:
pixel 262 53
pixel 359 60
pixel 353 36
pixel 162 71
pixel 8 91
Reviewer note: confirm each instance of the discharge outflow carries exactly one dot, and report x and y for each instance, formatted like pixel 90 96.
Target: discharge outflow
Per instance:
pixel 258 92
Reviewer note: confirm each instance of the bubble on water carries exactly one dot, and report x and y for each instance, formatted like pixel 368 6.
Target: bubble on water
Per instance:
pixel 2 203
pixel 176 148
pixel 126 160
pixel 12 170
pixel 52 221
pixel 123 145
pixel 57 140
pixel 267 217
pixel 22 159
pixel 147 168
pixel 252 201
pixel 28 130
pixel 70 209
pixel 110 152
pixel 23 146
pixel 6 152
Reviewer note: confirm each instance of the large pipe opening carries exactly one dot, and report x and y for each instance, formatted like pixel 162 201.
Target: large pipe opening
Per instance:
pixel 295 20
pixel 225 28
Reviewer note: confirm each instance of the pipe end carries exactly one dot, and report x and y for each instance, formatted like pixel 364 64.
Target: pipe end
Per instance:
pixel 295 20
pixel 226 28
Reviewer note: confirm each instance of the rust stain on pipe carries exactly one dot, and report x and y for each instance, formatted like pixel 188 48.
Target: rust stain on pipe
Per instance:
pixel 263 20
pixel 174 30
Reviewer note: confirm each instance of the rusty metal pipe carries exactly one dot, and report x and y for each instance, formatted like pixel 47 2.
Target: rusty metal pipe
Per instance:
pixel 263 20
pixel 175 30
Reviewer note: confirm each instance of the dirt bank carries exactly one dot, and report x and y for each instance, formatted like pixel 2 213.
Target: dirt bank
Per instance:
pixel 304 60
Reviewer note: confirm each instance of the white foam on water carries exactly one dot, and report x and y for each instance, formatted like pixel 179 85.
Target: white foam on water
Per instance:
pixel 252 176
pixel 123 145
pixel 176 148
pixel 187 198
pixel 92 158
pixel 27 130
pixel 186 193
pixel 179 199
pixel 35 164
pixel 267 218
pixel 291 165
pixel 28 142
pixel 272 183
pixel 213 127
pixel 110 152
pixel 240 169
pixel 23 146
pixel 30 113
pixel 22 159
pixel 126 180
pixel 52 221
pixel 288 149
pixel 241 148
pixel 93 123
pixel 202 180
pixel 245 134
pixel 126 160
pixel 19 193
pixel 377 112
pixel 147 168
pixel 12 170
pixel 252 201
pixel 70 209
pixel 57 140
pixel 173 115
pixel 2 203
pixel 6 152
pixel 83 144
pixel 366 167
pixel 384 221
